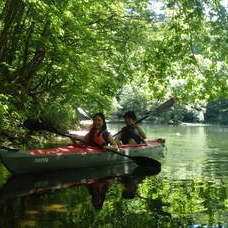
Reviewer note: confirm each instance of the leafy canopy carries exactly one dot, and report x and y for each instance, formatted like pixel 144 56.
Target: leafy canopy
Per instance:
pixel 82 53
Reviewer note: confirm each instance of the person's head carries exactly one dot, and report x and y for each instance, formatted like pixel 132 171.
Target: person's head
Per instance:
pixel 130 118
pixel 99 121
pixel 98 191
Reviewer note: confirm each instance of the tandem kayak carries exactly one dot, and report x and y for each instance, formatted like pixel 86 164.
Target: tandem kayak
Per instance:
pixel 74 156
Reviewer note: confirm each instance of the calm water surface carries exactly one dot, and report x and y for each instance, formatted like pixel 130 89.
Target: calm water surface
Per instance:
pixel 190 191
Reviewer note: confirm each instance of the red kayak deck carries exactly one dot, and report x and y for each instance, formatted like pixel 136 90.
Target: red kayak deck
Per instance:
pixel 75 149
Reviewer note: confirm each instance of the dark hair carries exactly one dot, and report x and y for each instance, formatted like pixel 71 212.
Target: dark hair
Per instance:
pixel 98 193
pixel 102 131
pixel 130 114
pixel 102 116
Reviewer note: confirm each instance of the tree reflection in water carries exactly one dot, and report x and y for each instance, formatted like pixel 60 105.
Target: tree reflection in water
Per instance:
pixel 130 198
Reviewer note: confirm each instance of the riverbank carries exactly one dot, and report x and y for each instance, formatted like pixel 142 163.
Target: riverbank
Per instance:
pixel 87 123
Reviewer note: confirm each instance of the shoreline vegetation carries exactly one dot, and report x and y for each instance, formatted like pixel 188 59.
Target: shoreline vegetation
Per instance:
pixel 84 124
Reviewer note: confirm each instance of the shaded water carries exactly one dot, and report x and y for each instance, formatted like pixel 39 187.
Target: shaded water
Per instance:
pixel 190 191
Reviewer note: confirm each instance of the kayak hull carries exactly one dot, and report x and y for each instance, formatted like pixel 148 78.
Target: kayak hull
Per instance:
pixel 71 157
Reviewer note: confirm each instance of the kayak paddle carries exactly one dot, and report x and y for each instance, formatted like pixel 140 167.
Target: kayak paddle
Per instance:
pixel 84 114
pixel 140 160
pixel 161 108
pixel 36 125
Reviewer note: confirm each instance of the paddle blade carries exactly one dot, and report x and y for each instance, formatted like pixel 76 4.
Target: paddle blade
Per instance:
pixel 146 162
pixel 83 114
pixel 162 108
pixel 33 125
pixel 36 125
pixel 140 171
pixel 165 106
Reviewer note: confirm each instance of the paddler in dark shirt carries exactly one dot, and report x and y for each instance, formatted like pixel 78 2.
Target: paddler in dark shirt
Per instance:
pixel 131 133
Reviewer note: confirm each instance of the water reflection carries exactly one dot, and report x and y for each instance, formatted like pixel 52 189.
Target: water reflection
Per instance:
pixel 29 195
pixel 98 191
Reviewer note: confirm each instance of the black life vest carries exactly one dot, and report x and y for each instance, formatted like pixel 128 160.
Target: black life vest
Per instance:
pixel 128 133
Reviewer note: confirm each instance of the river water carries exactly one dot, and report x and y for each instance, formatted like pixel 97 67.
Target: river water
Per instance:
pixel 190 191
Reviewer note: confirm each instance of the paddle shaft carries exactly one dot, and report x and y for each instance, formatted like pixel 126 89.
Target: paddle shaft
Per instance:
pixel 139 160
pixel 116 152
pixel 142 161
pixel 62 134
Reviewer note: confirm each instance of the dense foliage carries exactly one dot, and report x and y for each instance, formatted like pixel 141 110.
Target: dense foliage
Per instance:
pixel 58 55
pixel 217 112
pixel 133 97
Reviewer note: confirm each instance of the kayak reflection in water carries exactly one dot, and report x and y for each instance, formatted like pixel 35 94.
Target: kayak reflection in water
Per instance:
pixel 130 182
pixel 97 182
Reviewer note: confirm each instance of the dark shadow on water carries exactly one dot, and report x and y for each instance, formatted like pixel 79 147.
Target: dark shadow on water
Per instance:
pixel 99 188
pixel 96 180
pixel 92 190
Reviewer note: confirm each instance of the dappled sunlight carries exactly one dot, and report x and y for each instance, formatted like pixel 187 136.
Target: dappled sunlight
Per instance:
pixel 82 149
pixel 32 212
pixel 55 208
pixel 27 223
pixel 71 149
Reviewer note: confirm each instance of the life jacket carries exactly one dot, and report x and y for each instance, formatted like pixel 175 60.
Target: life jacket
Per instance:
pixel 100 139
pixel 128 133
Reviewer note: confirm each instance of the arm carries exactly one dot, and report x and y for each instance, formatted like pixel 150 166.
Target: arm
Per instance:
pixel 112 142
pixel 117 139
pixel 140 131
